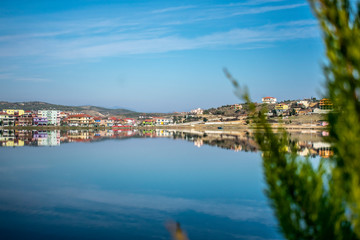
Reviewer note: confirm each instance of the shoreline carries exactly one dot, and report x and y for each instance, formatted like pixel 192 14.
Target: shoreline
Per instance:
pixel 219 127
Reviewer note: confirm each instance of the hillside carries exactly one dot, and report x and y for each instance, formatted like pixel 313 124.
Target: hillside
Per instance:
pixel 229 110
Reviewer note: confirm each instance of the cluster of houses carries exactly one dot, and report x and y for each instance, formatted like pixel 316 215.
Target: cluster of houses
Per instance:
pixel 18 117
pixel 88 120
pixel 302 107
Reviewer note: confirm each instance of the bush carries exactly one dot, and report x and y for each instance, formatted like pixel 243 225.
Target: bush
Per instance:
pixel 320 202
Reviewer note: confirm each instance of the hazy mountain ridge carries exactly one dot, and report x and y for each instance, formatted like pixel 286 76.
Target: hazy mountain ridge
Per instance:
pixel 92 110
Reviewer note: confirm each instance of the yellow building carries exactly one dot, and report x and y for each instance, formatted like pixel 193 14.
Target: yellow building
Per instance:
pixel 282 106
pixel 18 112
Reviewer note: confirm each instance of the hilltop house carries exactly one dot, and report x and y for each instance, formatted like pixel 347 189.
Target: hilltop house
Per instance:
pixel 268 100
pixel 197 111
pixel 237 107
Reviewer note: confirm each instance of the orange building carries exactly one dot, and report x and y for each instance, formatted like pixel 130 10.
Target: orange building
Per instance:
pixel 325 104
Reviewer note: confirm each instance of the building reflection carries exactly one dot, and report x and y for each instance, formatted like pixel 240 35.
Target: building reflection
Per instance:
pixel 307 144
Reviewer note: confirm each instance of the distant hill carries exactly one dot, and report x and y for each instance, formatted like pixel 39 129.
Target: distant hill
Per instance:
pixel 92 110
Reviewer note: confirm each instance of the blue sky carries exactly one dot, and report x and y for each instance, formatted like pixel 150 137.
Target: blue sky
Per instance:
pixel 157 56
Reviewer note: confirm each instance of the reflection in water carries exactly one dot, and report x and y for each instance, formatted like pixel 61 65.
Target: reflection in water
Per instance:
pixel 109 188
pixel 118 189
pixel 176 232
pixel 308 143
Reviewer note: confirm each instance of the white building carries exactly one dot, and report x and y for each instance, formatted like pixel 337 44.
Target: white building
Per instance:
pixel 53 116
pixel 303 102
pixel 130 121
pixel 197 111
pixel 268 100
pixel 163 121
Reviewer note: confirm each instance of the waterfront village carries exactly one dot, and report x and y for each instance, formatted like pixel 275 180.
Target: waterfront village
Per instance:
pixel 13 123
pixel 229 114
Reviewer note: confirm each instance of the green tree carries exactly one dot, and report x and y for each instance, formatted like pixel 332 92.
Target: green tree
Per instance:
pixel 320 202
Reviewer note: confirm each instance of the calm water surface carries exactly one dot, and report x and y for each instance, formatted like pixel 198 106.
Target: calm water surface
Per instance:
pixel 129 188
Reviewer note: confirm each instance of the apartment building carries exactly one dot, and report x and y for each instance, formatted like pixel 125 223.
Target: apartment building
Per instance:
pixel 6 119
pixel 79 120
pixel 53 116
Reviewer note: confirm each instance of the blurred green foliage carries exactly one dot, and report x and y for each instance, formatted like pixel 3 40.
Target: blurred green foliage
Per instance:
pixel 320 202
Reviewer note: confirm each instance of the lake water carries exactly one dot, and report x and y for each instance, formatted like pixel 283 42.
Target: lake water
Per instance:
pixel 131 185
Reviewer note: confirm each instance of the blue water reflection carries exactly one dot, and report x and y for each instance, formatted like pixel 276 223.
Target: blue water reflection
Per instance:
pixel 129 189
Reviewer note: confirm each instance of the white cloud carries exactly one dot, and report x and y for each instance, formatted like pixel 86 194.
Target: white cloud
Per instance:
pixel 31 79
pixel 250 3
pixel 157 41
pixel 172 9
pixel 234 37
pixel 97 37
pixel 12 77
pixel 266 9
pixel 218 12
